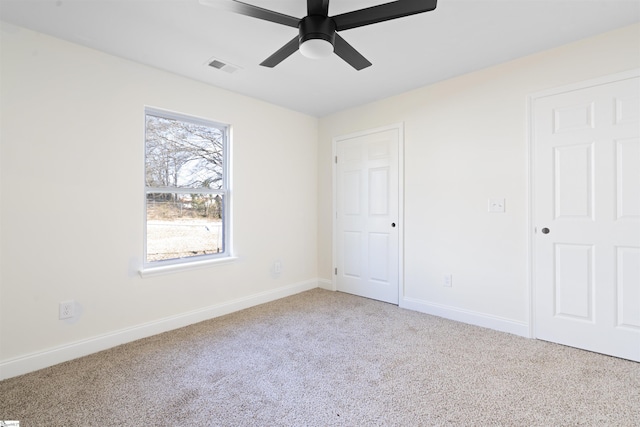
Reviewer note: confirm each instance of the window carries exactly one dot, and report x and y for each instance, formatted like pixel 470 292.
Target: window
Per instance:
pixel 186 189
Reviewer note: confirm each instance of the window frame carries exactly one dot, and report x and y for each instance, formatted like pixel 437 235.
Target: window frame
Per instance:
pixel 169 265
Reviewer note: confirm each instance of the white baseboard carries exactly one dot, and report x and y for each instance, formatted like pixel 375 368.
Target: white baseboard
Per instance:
pixel 326 284
pixel 467 316
pixel 42 359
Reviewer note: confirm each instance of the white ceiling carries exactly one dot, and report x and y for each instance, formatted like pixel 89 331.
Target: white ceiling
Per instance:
pixel 458 37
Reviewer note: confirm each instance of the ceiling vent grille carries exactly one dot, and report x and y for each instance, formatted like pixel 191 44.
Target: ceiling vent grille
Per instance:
pixel 222 65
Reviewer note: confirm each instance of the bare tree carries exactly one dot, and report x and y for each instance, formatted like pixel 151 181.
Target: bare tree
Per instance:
pixel 182 155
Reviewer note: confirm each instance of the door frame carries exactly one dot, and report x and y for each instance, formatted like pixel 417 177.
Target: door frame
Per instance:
pixel 334 150
pixel 531 167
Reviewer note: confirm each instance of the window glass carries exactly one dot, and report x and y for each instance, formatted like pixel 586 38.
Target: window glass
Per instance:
pixel 185 188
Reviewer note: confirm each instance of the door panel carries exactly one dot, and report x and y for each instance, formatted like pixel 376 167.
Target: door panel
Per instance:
pixel 352 250
pixel 379 192
pixel 573 173
pixel 587 198
pixel 628 287
pixel 574 281
pixel 628 178
pixel 367 185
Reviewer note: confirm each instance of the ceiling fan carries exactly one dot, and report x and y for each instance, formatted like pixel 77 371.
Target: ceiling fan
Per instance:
pixel 318 37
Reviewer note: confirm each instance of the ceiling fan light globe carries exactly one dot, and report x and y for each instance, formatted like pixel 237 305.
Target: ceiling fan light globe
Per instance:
pixel 316 48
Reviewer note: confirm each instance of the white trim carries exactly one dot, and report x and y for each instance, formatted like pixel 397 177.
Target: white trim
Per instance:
pixel 531 224
pixel 42 359
pixel 530 203
pixel 400 127
pixel 183 117
pixel 187 264
pixel 225 191
pixel 602 80
pixel 326 284
pixel 394 126
pixel 334 212
pixel 466 316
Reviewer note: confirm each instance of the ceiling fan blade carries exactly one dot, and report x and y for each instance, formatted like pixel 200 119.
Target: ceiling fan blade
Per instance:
pixel 283 53
pixel 253 11
pixel 382 12
pixel 318 7
pixel 345 51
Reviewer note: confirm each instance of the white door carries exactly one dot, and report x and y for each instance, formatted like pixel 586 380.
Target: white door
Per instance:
pixel 587 216
pixel 367 214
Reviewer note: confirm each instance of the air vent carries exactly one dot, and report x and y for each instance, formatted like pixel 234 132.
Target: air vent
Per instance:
pixel 222 65
pixel 217 64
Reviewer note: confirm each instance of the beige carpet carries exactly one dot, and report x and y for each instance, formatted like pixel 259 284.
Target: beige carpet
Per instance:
pixel 323 358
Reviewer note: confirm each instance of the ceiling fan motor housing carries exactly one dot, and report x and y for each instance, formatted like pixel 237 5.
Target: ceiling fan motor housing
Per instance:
pixel 317 27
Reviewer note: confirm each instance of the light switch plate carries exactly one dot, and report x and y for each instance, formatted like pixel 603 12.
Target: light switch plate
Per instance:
pixel 496 205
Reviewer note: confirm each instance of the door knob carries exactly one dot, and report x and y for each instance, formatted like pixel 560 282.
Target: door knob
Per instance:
pixel 393 224
pixel 545 230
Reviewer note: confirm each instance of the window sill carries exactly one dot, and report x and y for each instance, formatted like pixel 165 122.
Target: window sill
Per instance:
pixel 175 268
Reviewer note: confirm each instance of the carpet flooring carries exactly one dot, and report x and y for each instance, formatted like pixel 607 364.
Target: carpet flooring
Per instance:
pixel 324 358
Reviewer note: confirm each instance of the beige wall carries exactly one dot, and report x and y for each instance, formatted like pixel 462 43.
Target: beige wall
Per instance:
pixel 466 141
pixel 72 200
pixel 72 203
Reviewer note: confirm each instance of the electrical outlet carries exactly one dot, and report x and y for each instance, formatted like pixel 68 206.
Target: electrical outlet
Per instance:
pixel 277 267
pixel 496 205
pixel 447 280
pixel 67 309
